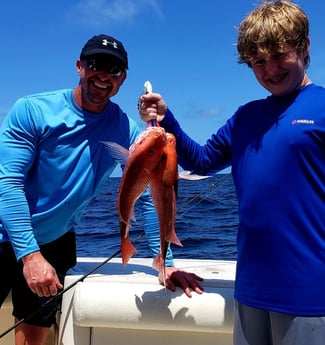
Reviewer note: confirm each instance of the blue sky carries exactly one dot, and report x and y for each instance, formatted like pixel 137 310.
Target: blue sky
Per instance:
pixel 186 48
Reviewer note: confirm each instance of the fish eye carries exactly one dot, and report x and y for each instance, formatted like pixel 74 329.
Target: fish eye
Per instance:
pixel 151 152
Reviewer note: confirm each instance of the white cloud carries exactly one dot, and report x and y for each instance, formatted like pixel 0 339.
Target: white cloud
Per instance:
pixel 211 112
pixel 98 12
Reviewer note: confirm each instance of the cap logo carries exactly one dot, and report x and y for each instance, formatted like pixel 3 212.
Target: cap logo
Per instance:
pixel 106 42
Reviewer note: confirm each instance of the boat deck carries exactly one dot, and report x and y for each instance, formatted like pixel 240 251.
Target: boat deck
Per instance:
pixel 118 306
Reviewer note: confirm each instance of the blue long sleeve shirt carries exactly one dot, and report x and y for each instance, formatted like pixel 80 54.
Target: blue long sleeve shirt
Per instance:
pixel 276 148
pixel 52 163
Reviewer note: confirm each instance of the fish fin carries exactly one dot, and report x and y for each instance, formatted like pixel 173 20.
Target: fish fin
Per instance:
pixel 159 265
pixel 122 221
pixel 118 152
pixel 155 263
pixel 127 250
pixel 174 239
pixel 133 216
pixel 187 175
pixel 176 188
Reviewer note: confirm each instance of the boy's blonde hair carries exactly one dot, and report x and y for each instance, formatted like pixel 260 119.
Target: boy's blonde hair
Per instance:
pixel 272 27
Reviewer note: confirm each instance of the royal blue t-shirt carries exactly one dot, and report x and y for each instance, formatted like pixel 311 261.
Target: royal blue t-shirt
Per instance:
pixel 276 148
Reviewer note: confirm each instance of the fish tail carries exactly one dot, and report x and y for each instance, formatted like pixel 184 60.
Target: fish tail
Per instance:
pixel 159 265
pixel 164 275
pixel 127 250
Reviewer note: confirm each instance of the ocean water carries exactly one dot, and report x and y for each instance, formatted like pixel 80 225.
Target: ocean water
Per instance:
pixel 206 221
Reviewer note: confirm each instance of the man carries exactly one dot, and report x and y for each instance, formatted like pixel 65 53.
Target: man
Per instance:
pixel 276 148
pixel 52 163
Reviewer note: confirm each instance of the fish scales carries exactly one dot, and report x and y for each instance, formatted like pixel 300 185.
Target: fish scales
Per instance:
pixel 151 159
pixel 162 188
pixel 145 154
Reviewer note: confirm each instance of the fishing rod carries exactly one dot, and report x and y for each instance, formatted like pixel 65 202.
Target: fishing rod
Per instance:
pixel 66 289
pixel 43 306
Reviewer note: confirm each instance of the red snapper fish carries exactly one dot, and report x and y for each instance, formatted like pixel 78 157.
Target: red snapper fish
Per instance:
pixel 141 159
pixel 151 159
pixel 162 188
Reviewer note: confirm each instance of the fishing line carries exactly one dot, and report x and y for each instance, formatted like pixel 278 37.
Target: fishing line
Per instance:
pixel 190 201
pixel 66 289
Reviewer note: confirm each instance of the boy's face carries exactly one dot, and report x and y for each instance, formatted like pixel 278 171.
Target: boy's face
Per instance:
pixel 281 72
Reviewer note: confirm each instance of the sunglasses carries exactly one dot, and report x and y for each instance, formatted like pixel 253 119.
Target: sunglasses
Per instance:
pixel 106 66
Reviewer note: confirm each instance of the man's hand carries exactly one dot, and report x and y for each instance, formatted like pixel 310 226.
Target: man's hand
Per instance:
pixel 151 106
pixel 40 276
pixel 186 280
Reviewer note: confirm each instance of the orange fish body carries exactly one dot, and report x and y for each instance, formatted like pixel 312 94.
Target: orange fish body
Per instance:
pixel 152 159
pixel 145 154
pixel 162 188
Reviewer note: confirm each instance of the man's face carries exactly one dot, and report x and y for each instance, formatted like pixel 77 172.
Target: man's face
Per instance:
pixel 99 81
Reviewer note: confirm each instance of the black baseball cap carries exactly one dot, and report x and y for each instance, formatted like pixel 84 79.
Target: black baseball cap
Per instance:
pixel 104 44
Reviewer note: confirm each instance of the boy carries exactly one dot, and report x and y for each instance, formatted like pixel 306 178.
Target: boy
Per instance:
pixel 276 148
